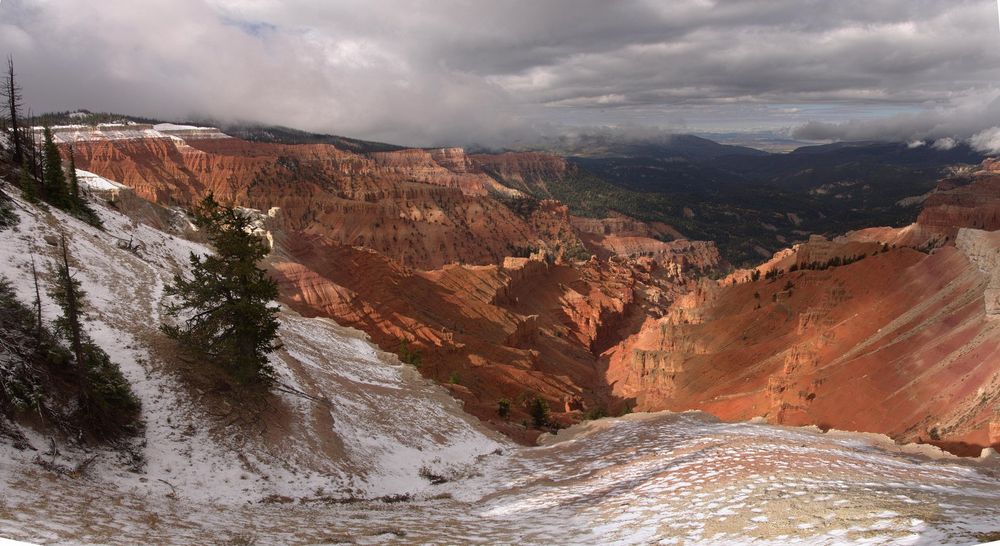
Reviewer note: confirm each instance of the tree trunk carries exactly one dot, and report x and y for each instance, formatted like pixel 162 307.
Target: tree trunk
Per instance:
pixel 38 301
pixel 13 99
pixel 72 308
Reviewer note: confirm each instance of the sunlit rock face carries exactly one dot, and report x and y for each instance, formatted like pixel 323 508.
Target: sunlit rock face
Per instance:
pixel 900 340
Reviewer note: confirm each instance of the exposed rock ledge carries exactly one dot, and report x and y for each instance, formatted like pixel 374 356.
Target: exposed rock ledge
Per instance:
pixel 983 249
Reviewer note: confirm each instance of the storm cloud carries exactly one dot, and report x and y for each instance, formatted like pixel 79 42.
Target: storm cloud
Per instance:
pixel 458 72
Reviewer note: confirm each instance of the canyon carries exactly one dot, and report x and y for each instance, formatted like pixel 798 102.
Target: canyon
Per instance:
pixel 507 297
pixel 353 446
pixel 896 331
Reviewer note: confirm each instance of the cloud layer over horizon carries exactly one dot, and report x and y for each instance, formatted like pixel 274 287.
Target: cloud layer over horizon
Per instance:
pixel 456 72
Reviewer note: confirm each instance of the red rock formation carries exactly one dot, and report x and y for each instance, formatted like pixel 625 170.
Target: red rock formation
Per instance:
pixel 975 205
pixel 897 343
pixel 403 204
pixel 348 228
pixel 625 226
pixel 901 342
pixel 526 171
pixel 995 428
pixel 529 327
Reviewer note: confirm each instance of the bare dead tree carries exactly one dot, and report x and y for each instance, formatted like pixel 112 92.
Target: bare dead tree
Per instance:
pixel 38 300
pixel 30 149
pixel 11 92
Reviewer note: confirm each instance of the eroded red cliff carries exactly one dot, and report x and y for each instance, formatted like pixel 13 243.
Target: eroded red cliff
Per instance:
pixel 902 341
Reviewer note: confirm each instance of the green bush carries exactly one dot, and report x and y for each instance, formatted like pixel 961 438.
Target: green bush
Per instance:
pixel 109 407
pixel 597 412
pixel 408 355
pixel 8 217
pixel 538 409
pixel 503 408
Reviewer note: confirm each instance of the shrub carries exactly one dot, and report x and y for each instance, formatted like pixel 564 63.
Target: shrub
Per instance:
pixel 597 412
pixel 538 409
pixel 408 355
pixel 8 217
pixel 108 408
pixel 503 408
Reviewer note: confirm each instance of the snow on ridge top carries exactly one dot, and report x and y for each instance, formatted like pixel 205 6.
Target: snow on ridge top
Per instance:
pixel 96 182
pixel 189 131
pixel 165 127
pixel 64 134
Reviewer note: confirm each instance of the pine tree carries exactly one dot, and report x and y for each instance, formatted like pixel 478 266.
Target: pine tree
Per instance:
pixel 7 215
pixel 29 143
pixel 74 183
pixel 55 179
pixel 108 407
pixel 28 186
pixel 77 204
pixel 225 307
pixel 37 303
pixel 70 297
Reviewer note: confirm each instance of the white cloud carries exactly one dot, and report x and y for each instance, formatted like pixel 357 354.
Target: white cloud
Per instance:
pixel 987 141
pixel 454 71
pixel 944 125
pixel 945 144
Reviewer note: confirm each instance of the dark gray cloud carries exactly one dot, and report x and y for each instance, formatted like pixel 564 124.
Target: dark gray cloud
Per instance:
pixel 451 71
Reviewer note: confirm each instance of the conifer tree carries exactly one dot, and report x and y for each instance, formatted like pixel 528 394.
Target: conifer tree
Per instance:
pixel 74 183
pixel 28 186
pixel 70 297
pixel 7 215
pixel 37 303
pixel 107 404
pixel 224 307
pixel 55 180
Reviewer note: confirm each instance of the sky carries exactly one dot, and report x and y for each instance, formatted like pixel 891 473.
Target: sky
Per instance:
pixel 506 72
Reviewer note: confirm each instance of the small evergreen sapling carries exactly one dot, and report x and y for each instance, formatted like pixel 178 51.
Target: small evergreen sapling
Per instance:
pixel 108 407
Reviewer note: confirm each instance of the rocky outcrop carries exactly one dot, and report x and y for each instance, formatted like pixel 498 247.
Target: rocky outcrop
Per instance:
pixel 995 428
pixel 975 205
pixel 529 327
pixel 528 172
pixel 404 204
pixel 449 167
pixel 899 342
pixel 411 245
pixel 983 249
pixel 625 226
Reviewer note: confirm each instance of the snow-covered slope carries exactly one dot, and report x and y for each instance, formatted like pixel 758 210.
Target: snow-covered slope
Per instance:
pixel 348 419
pixel 350 448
